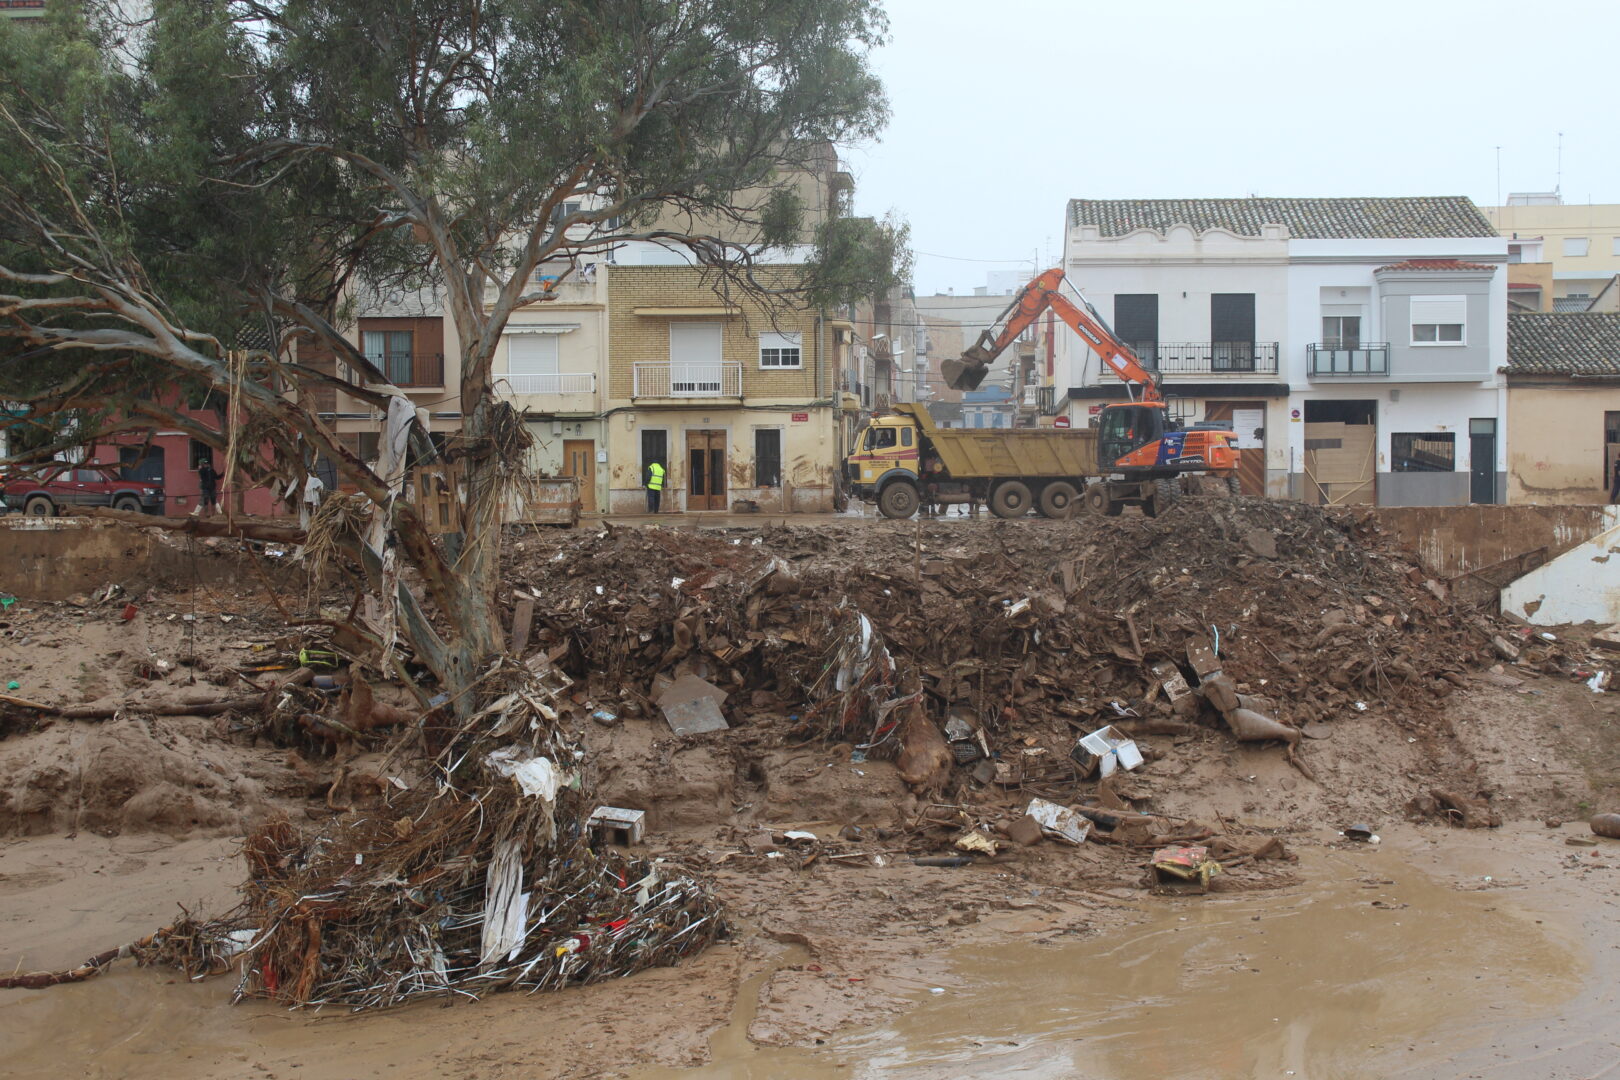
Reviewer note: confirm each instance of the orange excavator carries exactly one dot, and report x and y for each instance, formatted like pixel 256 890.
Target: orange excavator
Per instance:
pixel 1137 440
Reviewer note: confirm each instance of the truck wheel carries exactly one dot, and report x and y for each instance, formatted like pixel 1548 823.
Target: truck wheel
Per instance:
pixel 1011 499
pixel 127 503
pixel 1166 490
pixel 1098 502
pixel 1057 499
pixel 39 506
pixel 899 500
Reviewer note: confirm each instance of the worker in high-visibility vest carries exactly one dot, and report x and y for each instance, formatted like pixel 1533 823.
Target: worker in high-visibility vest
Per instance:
pixel 655 486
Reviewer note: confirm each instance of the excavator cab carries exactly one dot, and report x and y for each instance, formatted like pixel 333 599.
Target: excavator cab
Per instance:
pixel 1127 428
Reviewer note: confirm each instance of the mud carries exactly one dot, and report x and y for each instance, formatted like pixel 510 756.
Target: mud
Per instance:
pixel 1375 968
pixel 1394 960
pixel 1054 960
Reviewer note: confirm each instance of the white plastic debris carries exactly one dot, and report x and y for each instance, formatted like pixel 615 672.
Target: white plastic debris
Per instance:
pixel 799 834
pixel 1113 750
pixel 676 583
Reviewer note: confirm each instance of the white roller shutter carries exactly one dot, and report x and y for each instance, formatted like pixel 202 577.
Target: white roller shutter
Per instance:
pixel 695 342
pixel 531 354
pixel 1439 309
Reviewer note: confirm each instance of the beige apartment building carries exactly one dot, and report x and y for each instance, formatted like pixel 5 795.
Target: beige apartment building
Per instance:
pixel 1561 256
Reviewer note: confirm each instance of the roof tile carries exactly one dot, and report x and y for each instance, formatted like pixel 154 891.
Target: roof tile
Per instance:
pixel 1436 217
pixel 1434 264
pixel 1564 343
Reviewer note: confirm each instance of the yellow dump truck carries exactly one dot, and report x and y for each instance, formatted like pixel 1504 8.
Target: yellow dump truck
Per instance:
pixel 903 461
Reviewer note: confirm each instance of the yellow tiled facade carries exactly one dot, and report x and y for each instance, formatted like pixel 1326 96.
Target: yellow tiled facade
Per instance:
pixel 645 338
pixel 789 409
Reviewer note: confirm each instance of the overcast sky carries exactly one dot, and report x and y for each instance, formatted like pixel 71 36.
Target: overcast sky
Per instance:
pixel 1005 109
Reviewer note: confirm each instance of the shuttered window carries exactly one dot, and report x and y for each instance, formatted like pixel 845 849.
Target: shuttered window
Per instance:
pixel 531 354
pixel 780 350
pixel 1438 320
pixel 695 342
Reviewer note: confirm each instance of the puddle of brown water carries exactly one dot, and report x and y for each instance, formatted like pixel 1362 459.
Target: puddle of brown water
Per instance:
pixel 1323 985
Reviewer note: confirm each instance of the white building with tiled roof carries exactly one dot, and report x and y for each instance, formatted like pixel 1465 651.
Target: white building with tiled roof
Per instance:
pixel 1354 345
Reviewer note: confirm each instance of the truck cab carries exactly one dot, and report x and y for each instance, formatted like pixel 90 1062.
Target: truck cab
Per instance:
pixel 888 446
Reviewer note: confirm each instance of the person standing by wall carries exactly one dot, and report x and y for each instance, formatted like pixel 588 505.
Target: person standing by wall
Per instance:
pixel 655 486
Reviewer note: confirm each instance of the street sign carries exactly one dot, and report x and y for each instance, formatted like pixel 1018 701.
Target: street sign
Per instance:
pixel 1060 421
pixel 801 418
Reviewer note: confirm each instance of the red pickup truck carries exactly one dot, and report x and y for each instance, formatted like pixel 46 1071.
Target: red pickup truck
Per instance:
pixel 60 489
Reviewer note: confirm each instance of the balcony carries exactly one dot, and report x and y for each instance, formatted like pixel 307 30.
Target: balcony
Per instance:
pixel 407 370
pixel 1370 358
pixel 1208 357
pixel 583 382
pixel 720 379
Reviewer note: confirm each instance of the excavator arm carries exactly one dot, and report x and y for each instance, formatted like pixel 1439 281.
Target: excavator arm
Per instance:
pixel 1032 301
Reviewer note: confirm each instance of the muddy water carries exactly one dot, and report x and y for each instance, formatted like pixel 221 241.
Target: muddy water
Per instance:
pixel 1370 968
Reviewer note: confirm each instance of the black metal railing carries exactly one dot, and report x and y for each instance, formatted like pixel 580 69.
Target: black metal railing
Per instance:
pixel 1366 358
pixel 1208 357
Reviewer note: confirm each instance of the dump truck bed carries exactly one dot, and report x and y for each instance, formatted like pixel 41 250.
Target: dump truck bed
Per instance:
pixel 972 453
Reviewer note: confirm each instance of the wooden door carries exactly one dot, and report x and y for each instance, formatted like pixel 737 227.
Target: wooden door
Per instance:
pixel 1251 436
pixel 705 470
pixel 579 460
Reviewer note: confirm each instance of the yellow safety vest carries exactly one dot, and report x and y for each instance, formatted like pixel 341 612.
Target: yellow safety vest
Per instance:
pixel 655 477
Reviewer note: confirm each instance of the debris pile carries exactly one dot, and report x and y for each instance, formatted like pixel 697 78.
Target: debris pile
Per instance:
pixel 1269 613
pixel 480 876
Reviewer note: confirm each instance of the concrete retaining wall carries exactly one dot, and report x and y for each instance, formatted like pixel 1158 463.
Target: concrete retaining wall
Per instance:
pixel 55 558
pixel 1452 540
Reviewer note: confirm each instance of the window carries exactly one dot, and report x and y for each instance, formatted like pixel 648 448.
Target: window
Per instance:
pixel 767 457
pixel 1429 451
pixel 1438 320
pixel 563 209
pixel 1231 331
pixel 391 352
pixel 1575 246
pixel 780 350
pixel 694 357
pixel 1136 323
pixel 905 436
pixel 1341 331
pixel 879 438
pixel 531 354
pixel 1616 250
pixel 368 445
pixel 200 453
pixel 141 463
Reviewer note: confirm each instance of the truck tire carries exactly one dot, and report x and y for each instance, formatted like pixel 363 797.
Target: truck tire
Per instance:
pixel 1011 499
pixel 1166 490
pixel 39 506
pixel 1098 502
pixel 1057 499
pixel 899 500
pixel 129 503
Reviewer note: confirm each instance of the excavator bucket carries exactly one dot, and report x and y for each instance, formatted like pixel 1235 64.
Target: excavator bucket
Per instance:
pixel 966 373
pixel 963 374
